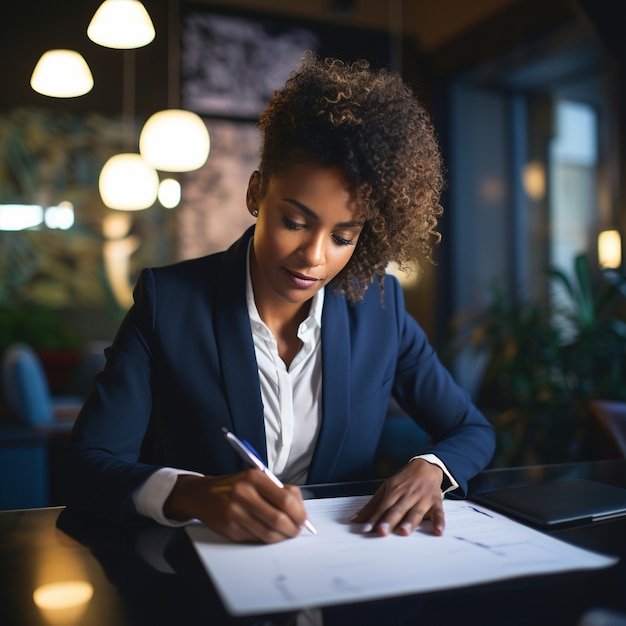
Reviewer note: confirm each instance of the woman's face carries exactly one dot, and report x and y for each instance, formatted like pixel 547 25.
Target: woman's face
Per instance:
pixel 305 234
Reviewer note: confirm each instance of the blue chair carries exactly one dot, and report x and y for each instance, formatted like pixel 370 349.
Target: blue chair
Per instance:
pixel 25 387
pixel 26 390
pixel 31 432
pixel 24 467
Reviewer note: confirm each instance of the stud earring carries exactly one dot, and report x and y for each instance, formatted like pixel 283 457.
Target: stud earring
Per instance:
pixel 255 213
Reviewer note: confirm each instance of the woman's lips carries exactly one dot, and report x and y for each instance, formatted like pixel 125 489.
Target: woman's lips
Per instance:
pixel 300 280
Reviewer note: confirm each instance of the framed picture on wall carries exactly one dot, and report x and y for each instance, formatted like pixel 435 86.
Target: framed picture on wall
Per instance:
pixel 231 64
pixel 232 61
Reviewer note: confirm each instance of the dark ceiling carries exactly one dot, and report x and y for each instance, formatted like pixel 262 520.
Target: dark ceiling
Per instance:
pixel 29 27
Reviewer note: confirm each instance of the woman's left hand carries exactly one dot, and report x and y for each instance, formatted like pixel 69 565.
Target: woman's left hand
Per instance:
pixel 404 500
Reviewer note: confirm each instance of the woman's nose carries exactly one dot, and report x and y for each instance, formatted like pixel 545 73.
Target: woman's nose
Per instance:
pixel 313 251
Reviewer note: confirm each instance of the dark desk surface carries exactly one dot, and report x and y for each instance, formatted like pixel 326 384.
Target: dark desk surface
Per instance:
pixel 152 576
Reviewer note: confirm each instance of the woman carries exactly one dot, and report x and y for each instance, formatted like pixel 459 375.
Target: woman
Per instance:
pixel 294 338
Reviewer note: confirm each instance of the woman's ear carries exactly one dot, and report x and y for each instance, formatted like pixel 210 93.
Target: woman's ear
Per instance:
pixel 253 194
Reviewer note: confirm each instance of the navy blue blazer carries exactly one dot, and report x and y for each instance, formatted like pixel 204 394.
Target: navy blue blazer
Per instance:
pixel 182 365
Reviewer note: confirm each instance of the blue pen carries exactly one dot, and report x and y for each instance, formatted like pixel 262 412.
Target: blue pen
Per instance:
pixel 249 454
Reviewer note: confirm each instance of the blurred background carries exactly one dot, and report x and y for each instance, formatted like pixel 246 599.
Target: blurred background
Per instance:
pixel 526 300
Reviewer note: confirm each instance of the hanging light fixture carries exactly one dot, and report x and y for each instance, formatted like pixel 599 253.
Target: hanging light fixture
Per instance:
pixel 121 24
pixel 61 74
pixel 174 140
pixel 128 183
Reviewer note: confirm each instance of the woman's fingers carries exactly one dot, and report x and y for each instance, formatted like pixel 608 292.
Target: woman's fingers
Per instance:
pixel 244 507
pixel 414 518
pixel 403 501
pixel 260 511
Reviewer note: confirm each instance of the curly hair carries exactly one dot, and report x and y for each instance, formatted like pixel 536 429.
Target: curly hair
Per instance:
pixel 368 123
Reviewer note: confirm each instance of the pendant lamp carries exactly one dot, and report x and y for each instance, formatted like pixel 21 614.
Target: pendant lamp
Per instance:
pixel 61 74
pixel 128 183
pixel 121 24
pixel 175 140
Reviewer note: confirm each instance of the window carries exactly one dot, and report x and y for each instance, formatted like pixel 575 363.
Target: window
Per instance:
pixel 573 182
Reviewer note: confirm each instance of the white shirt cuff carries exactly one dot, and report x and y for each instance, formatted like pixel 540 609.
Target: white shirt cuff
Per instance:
pixel 435 460
pixel 150 498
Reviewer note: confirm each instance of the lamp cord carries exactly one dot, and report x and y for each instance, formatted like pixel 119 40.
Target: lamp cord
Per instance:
pixel 173 55
pixel 128 100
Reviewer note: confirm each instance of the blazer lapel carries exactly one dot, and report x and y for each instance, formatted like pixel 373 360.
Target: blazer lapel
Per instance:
pixel 236 348
pixel 335 387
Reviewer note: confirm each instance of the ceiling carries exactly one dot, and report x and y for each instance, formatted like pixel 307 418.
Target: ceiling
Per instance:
pixel 431 22
pixel 441 32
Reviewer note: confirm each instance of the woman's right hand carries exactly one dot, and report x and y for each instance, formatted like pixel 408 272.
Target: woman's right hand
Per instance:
pixel 243 507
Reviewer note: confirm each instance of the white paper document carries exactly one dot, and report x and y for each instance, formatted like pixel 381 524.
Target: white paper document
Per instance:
pixel 340 564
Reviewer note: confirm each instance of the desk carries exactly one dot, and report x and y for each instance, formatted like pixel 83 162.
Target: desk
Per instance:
pixel 152 576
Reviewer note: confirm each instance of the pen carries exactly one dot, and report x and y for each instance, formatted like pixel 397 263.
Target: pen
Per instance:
pixel 249 454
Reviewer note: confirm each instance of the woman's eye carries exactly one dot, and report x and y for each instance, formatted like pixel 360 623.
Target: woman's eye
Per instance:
pixel 292 225
pixel 343 242
pixel 338 239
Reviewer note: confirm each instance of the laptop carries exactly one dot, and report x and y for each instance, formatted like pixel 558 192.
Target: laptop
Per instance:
pixel 559 503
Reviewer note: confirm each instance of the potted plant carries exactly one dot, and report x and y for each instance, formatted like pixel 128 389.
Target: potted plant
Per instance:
pixel 546 359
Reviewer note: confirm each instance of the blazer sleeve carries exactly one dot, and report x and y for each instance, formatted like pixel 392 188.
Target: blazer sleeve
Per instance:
pixel 100 467
pixel 461 435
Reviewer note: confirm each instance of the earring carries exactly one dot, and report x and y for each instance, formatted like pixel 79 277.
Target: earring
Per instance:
pixel 255 213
